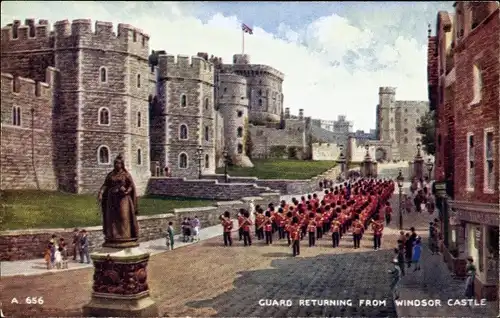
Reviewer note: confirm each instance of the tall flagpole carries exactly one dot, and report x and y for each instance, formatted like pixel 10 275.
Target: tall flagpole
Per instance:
pixel 242 41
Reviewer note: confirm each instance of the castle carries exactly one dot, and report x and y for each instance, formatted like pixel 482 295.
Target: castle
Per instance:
pixel 75 97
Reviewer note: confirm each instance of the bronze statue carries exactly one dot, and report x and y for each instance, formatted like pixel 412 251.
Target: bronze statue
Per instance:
pixel 118 202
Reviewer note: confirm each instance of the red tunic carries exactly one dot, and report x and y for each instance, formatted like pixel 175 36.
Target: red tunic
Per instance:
pixel 311 228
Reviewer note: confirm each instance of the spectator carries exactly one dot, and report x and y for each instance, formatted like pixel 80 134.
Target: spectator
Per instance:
pixel 76 243
pixel 396 273
pixel 195 225
pixel 170 236
pixel 417 250
pixel 471 274
pixel 84 247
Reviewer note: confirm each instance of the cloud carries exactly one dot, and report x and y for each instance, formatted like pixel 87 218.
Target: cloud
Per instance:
pixel 332 65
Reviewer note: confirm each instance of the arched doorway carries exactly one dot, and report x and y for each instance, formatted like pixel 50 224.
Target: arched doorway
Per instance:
pixel 380 155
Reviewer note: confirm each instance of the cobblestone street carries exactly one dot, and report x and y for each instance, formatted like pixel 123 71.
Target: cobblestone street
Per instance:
pixel 208 279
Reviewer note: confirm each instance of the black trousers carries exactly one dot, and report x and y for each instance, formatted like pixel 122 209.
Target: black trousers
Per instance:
pixel 288 238
pixel 357 240
pixel 319 232
pixel 281 232
pixel 259 233
pixel 274 227
pixel 303 231
pixel 269 237
pixel 247 240
pixel 387 219
pixel 296 247
pixel 240 233
pixel 228 240
pixel 335 239
pixel 377 240
pixel 312 239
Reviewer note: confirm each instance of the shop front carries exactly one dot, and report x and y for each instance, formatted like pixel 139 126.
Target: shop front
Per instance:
pixel 475 233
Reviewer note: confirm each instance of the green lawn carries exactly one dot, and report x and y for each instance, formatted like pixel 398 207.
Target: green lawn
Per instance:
pixel 47 209
pixel 281 169
pixel 354 164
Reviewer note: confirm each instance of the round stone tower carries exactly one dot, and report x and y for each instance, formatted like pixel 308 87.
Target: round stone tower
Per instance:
pixel 233 107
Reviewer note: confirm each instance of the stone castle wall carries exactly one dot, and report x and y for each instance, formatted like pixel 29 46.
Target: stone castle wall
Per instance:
pixel 269 142
pixel 325 151
pixel 27 149
pixel 30 244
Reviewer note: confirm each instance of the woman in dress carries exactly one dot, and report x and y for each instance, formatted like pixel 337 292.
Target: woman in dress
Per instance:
pixel 118 201
pixel 471 274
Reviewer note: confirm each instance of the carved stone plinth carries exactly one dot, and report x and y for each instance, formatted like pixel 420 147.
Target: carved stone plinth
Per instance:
pixel 120 284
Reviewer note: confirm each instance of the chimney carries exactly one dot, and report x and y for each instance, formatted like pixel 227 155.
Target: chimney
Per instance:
pixel 287 113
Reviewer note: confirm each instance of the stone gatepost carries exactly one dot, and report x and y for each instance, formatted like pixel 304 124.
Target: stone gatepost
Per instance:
pixel 366 165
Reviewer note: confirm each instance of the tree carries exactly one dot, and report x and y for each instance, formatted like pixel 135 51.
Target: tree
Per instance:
pixel 427 128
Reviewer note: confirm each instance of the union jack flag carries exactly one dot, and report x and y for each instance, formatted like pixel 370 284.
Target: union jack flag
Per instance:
pixel 246 28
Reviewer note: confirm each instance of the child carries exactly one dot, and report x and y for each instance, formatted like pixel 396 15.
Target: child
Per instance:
pixel 46 256
pixel 417 249
pixel 195 225
pixel 58 257
pixel 64 254
pixel 170 236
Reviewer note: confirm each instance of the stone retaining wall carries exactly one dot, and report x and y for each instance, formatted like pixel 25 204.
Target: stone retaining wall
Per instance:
pixel 30 244
pixel 203 189
pixel 284 186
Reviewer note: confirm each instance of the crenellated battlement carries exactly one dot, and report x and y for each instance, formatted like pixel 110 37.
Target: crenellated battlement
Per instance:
pixel 28 87
pixel 182 66
pixel 28 31
pixel 256 69
pixel 81 31
pixel 387 90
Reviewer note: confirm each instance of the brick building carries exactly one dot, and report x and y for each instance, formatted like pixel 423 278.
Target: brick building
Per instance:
pixel 463 75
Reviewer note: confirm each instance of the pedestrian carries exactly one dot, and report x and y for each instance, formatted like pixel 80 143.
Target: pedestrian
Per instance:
pixel 76 243
pixel 471 274
pixel 396 274
pixel 241 219
pixel 245 226
pixel 170 236
pixel 335 231
pixel 195 225
pixel 184 229
pixel 401 257
pixel 84 246
pixel 388 213
pixel 189 230
pixel 47 256
pixel 295 236
pixel 268 228
pixel 417 251
pixel 356 232
pixel 311 229
pixel 227 225
pixel 378 228
pixel 408 249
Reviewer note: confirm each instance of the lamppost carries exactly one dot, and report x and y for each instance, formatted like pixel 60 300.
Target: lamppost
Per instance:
pixel 199 154
pixel 430 166
pixel 400 179
pixel 225 156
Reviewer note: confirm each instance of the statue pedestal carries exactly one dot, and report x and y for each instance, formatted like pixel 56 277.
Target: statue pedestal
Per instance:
pixel 120 284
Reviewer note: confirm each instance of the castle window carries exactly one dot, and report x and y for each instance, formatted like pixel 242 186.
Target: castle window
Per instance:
pixel 139 119
pixel 183 100
pixel 207 130
pixel 260 102
pixel 206 103
pixel 183 160
pixel 406 120
pixel 225 89
pixel 138 80
pixel 103 74
pixel 139 157
pixel 406 110
pixel 240 148
pixel 104 118
pixel 183 132
pixel 16 116
pixel 489 162
pixel 207 162
pixel 478 83
pixel 470 162
pixel 239 132
pixel 406 140
pixel 406 130
pixel 260 92
pixel 239 113
pixel 103 155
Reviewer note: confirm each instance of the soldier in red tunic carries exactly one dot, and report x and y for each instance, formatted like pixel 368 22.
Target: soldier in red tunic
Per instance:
pixel 378 228
pixel 227 225
pixel 335 226
pixel 245 226
pixel 311 229
pixel 295 236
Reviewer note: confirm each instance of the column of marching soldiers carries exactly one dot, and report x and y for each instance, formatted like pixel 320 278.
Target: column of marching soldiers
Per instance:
pixel 352 206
